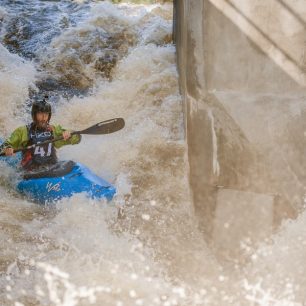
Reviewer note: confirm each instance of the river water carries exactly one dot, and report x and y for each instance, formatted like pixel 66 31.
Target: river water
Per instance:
pixel 96 61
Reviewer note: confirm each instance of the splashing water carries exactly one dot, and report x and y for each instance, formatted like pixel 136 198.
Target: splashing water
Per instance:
pixel 97 61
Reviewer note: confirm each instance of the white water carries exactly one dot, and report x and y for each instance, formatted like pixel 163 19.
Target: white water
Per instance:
pixel 16 76
pixel 79 252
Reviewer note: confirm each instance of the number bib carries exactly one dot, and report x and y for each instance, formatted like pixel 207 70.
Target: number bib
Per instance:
pixel 39 155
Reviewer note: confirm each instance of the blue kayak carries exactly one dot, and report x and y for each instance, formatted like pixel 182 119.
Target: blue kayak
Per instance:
pixel 62 180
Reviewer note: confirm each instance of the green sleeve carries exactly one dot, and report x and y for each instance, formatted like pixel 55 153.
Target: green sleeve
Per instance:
pixel 18 139
pixel 58 131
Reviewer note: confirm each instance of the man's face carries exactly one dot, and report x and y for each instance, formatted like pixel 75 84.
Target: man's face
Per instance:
pixel 42 119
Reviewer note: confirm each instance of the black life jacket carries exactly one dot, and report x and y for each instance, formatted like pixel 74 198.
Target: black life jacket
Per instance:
pixel 39 155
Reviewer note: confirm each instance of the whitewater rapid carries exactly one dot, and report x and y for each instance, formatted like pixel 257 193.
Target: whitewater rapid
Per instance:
pixel 79 252
pixel 97 61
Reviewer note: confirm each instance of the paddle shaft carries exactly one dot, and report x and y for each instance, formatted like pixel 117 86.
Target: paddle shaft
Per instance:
pixel 104 127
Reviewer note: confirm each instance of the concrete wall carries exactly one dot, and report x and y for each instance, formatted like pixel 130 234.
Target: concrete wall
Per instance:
pixel 242 77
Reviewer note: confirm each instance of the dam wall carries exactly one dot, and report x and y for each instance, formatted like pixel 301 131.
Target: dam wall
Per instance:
pixel 242 77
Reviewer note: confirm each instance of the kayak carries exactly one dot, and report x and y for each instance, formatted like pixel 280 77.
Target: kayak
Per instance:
pixel 61 180
pixel 66 178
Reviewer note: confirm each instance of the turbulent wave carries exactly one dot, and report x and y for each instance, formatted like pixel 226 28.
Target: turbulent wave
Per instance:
pixel 17 76
pixel 79 251
pixel 98 60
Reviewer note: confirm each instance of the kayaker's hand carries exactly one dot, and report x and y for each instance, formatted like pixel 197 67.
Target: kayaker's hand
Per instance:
pixel 9 151
pixel 66 135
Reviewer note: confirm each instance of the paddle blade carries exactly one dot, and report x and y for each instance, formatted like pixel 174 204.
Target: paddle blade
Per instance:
pixel 105 127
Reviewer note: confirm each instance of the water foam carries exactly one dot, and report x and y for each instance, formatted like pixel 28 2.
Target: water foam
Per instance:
pixel 78 252
pixel 16 77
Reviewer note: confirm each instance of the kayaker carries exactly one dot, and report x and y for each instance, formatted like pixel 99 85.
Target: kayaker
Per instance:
pixel 36 132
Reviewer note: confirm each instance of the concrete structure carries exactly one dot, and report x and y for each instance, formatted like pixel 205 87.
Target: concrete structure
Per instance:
pixel 242 70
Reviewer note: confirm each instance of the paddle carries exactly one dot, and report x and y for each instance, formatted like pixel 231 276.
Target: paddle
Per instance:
pixel 104 127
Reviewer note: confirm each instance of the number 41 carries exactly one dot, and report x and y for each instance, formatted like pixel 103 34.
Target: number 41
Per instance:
pixel 41 151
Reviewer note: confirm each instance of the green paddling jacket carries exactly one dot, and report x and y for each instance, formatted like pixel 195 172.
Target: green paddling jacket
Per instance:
pixel 40 155
pixel 20 138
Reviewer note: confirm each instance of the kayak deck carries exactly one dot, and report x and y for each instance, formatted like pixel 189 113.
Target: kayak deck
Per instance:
pixel 62 180
pixel 53 188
